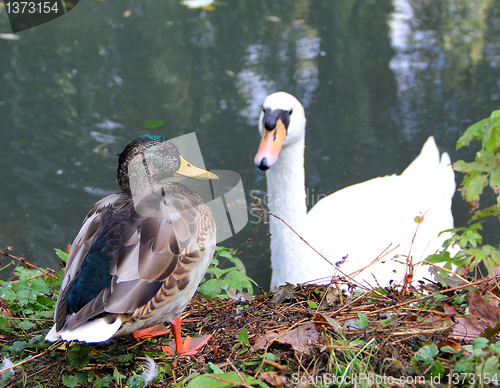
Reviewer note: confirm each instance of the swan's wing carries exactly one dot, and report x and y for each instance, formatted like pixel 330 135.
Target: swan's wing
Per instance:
pixel 432 169
pixel 360 221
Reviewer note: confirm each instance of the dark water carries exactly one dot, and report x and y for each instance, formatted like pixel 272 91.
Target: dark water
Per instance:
pixel 376 77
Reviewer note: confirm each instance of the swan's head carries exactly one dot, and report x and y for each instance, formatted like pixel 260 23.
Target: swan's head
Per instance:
pixel 282 122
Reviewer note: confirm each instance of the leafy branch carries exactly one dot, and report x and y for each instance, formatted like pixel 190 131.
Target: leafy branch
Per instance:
pixel 483 172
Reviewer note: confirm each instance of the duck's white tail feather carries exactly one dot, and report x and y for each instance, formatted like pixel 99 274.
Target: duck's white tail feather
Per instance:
pixel 94 331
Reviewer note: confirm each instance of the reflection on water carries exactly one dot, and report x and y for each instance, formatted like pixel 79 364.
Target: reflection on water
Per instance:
pixel 373 92
pixel 287 62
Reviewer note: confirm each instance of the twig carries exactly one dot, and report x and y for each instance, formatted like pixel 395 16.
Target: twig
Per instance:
pixel 293 230
pixel 348 276
pixel 427 296
pixel 229 381
pixel 275 364
pixel 28 278
pixel 53 346
pixel 23 260
pixel 243 382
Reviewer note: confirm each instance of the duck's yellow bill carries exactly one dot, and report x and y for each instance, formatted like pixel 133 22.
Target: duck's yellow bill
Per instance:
pixel 187 170
pixel 270 145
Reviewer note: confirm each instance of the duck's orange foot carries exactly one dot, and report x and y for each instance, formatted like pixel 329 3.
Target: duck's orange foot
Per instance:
pixel 190 346
pixel 150 332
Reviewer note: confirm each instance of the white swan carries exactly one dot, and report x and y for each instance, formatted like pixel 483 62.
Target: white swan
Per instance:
pixel 352 226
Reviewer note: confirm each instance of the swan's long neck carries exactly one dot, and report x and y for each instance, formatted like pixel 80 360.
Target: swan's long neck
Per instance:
pixel 287 199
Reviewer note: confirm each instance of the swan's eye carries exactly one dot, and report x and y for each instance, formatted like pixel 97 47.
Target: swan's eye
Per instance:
pixel 263 110
pixel 290 113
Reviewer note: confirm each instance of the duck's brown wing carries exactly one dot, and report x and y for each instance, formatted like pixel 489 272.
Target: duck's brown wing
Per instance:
pixel 162 239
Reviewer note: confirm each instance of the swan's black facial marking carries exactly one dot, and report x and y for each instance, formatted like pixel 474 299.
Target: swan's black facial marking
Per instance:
pixel 272 116
pixel 263 165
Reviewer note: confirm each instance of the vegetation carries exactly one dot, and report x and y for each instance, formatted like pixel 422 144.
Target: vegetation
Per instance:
pixel 482 173
pixel 442 333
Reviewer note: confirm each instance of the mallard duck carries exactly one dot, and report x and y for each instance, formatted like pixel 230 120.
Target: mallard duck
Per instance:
pixel 140 254
pixel 352 226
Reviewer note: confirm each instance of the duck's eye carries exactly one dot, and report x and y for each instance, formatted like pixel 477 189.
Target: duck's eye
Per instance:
pixel 290 113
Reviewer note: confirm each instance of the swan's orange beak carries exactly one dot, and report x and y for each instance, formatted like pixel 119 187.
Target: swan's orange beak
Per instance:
pixel 270 146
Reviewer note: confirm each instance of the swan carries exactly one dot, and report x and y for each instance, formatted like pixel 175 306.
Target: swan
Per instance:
pixel 355 225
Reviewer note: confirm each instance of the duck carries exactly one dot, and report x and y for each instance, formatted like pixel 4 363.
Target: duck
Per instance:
pixel 366 232
pixel 140 254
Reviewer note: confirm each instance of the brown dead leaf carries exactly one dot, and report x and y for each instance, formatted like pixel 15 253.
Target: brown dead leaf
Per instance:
pixel 450 310
pixel 486 311
pixel 484 315
pixel 472 205
pixel 321 320
pixel 302 339
pixel 288 291
pixel 454 344
pixel 466 329
pixel 495 271
pixel 273 378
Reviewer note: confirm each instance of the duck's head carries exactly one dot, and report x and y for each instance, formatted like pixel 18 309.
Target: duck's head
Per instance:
pixel 150 159
pixel 282 122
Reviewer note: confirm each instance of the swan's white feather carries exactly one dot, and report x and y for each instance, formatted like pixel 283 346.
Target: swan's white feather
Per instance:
pixel 356 224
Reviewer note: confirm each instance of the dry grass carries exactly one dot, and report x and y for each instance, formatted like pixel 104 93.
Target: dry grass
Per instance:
pixel 399 324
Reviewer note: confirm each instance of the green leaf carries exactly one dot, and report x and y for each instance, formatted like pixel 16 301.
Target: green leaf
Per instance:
pixel 18 346
pixel 474 183
pixel 448 349
pixel 480 343
pixel 223 252
pixel 426 354
pixel 136 381
pixel 492 140
pixel 38 342
pixel 214 369
pixel 4 322
pixel 206 381
pixel 482 213
pixel 103 381
pixel 441 257
pixel 125 358
pixel 436 370
pixel 474 132
pixel 117 376
pixel 312 304
pixel 362 321
pixel 217 272
pixel 27 325
pixel 491 363
pixel 79 355
pixel 62 255
pixel 357 343
pixel 243 337
pixel 152 124
pixel 212 288
pixel 238 280
pixel 70 381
